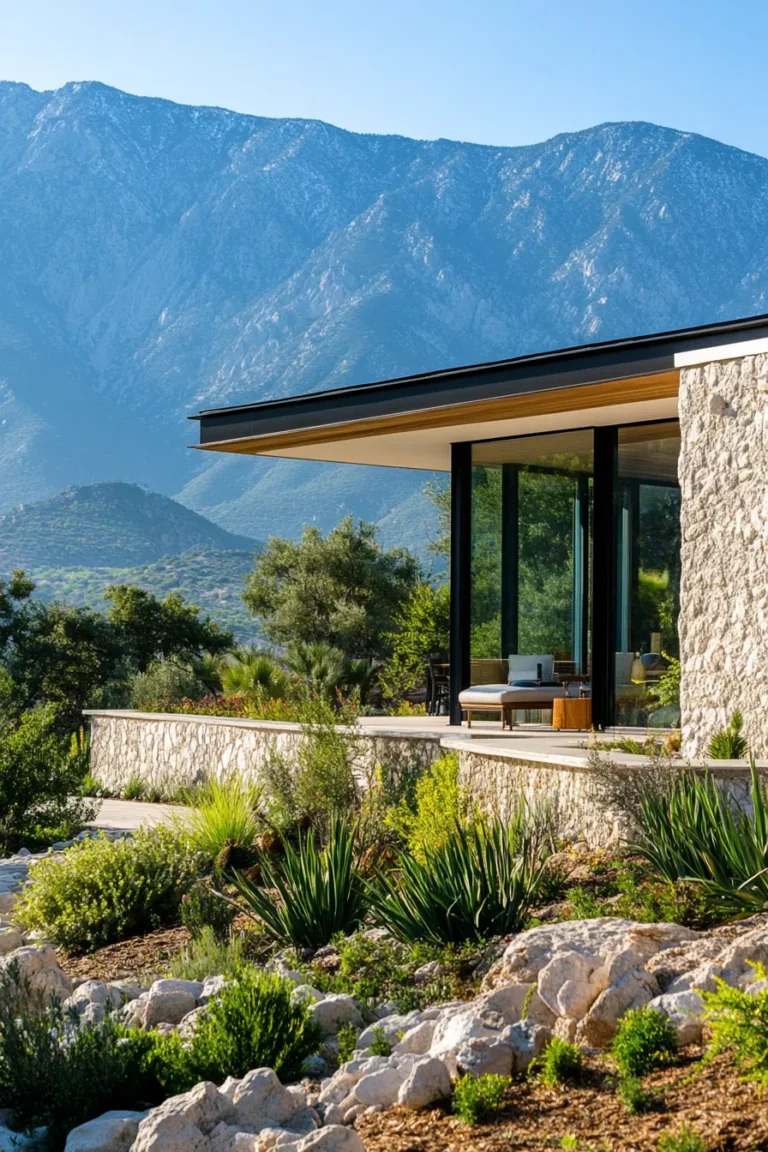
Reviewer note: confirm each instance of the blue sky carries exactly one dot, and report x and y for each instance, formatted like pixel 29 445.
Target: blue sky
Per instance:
pixel 487 71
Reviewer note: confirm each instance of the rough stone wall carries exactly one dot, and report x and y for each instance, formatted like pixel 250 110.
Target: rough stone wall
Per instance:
pixel 586 803
pixel 724 514
pixel 169 752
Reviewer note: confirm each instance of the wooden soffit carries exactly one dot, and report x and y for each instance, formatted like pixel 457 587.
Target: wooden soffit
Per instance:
pixel 658 386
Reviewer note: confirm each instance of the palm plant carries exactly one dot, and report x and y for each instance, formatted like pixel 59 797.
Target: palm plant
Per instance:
pixel 480 883
pixel 320 666
pixel 313 894
pixel 691 832
pixel 249 672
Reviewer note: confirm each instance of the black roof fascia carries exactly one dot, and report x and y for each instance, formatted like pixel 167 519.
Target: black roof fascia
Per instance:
pixel 587 364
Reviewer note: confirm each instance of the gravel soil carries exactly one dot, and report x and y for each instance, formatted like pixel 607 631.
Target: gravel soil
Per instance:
pixel 729 1115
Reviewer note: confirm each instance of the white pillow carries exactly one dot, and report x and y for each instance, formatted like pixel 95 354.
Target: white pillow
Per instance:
pixel 523 667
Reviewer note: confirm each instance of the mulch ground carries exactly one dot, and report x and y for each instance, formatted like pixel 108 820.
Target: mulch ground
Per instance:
pixel 140 957
pixel 731 1117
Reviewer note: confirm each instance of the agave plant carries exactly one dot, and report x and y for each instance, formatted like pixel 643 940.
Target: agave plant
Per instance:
pixel 478 884
pixel 692 833
pixel 249 672
pixel 313 894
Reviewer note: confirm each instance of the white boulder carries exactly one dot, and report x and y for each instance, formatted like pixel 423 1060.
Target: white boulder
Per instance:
pixel 417 1040
pixel 427 1083
pixel 261 1101
pixel 380 1087
pixel 635 989
pixel 335 1010
pixel 684 1010
pixel 183 1123
pixel 41 969
pixel 334 1138
pixel 388 1027
pixel 112 1132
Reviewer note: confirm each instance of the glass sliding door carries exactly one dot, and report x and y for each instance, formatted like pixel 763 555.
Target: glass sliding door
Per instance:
pixel 647 572
pixel 531 552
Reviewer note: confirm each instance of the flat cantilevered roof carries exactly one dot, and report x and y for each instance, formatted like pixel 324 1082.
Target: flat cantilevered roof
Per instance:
pixel 412 421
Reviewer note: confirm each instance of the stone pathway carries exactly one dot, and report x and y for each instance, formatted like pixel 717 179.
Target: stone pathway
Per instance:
pixel 128 815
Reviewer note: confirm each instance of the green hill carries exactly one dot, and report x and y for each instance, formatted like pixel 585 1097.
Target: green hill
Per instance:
pixel 111 525
pixel 204 576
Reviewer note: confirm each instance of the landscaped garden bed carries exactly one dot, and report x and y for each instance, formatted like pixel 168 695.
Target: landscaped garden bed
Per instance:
pixel 309 964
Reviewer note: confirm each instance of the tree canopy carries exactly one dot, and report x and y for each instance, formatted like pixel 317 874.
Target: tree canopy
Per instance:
pixel 73 658
pixel 342 589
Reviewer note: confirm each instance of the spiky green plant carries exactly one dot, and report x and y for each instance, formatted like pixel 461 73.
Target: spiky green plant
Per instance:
pixel 691 832
pixel 224 815
pixel 480 883
pixel 728 743
pixel 313 894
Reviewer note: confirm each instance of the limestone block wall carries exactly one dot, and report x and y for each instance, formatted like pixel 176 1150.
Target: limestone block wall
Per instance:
pixel 169 751
pixel 724 516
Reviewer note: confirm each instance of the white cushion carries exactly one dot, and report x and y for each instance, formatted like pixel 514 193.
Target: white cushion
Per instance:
pixel 523 667
pixel 492 695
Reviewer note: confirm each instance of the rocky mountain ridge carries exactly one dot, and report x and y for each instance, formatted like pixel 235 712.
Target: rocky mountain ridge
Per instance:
pixel 159 258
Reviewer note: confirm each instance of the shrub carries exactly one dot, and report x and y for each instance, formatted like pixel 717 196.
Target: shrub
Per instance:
pixel 421 627
pixel 163 678
pixel 380 1045
pixel 738 1023
pixel 477 1098
pixel 347 1037
pixel 560 1062
pixel 255 1023
pixel 313 894
pixel 319 780
pixel 104 890
pixel 224 821
pixel 60 1072
pixel 203 909
pixel 728 743
pixel 40 782
pixel 377 968
pixel 691 832
pixel 134 788
pixel 685 1139
pixel 644 1040
pixel 206 955
pixel 439 804
pixel 635 1098
pixel 480 883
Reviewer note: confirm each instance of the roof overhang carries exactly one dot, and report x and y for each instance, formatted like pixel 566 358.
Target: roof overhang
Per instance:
pixel 412 422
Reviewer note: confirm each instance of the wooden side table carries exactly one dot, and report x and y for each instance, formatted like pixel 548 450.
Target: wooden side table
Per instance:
pixel 572 712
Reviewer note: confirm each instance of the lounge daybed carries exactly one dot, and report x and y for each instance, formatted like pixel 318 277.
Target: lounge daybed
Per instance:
pixel 521 692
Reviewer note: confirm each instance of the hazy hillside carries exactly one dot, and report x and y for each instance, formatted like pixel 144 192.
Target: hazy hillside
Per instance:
pixel 204 576
pixel 157 258
pixel 106 525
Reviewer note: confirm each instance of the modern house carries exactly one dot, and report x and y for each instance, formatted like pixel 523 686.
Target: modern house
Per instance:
pixel 609 508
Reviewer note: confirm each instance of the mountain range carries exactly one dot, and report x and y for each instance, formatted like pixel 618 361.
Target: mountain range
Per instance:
pixel 158 258
pixel 77 543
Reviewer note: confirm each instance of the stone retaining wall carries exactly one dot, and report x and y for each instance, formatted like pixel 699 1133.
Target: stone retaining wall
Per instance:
pixel 587 802
pixel 169 751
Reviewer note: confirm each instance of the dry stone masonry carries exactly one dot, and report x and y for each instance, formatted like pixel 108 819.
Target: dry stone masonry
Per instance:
pixel 168 752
